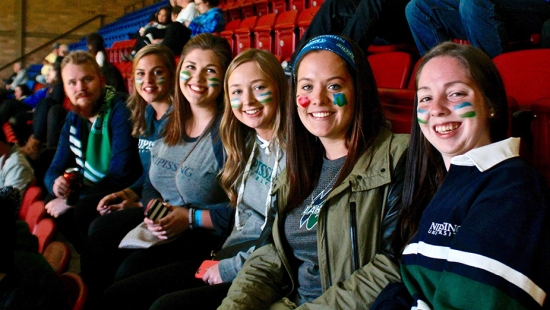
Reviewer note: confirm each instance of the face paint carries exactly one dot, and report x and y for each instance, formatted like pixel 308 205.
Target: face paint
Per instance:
pixel 213 82
pixel 466 108
pixel 139 81
pixel 236 103
pixel 161 80
pixel 265 97
pixel 304 102
pixel 340 99
pixel 185 75
pixel 421 115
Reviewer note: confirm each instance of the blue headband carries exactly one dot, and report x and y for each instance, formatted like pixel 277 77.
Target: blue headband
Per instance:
pixel 327 42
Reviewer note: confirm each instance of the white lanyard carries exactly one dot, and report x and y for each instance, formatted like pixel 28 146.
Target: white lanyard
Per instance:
pixel 265 144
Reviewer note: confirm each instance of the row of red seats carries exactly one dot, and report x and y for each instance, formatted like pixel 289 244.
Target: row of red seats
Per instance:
pixel 241 9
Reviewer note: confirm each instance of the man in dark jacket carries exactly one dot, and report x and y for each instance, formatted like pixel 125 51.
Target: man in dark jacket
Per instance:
pixel 96 140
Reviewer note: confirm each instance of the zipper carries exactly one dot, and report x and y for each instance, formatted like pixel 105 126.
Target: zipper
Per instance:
pixel 326 246
pixel 353 236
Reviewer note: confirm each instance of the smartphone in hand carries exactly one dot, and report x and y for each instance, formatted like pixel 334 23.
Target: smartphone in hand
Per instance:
pixel 156 210
pixel 204 266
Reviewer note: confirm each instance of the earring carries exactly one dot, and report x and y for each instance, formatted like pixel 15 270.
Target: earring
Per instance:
pixel 492 114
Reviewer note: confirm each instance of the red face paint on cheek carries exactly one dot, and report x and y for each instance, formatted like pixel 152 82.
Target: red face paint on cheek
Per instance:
pixel 304 101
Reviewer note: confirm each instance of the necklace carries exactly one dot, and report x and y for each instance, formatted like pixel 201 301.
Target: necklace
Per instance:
pixel 322 195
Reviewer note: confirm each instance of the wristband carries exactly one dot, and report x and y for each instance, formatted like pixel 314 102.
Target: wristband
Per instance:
pixel 198 218
pixel 191 217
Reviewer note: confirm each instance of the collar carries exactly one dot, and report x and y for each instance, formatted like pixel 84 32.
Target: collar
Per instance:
pixel 488 156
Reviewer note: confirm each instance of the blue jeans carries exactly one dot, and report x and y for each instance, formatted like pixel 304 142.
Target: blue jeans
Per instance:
pixel 488 24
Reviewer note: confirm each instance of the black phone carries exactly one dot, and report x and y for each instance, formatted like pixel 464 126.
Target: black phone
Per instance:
pixel 156 210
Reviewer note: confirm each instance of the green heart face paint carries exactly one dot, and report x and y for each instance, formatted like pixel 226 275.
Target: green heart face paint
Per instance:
pixel 185 75
pixel 236 103
pixel 160 80
pixel 264 98
pixel 422 115
pixel 340 99
pixel 213 82
pixel 139 80
pixel 466 110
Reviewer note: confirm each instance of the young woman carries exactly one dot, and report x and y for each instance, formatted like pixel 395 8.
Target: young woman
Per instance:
pixel 339 197
pixel 471 205
pixel 150 102
pixel 186 160
pixel 252 135
pixel 113 77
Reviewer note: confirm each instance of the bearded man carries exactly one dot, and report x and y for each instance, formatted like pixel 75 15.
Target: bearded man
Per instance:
pixel 96 140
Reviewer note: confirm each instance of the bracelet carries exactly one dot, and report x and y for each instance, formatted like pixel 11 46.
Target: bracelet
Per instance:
pixel 191 217
pixel 198 218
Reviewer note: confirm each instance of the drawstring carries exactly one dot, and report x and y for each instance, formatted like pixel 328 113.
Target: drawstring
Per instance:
pixel 264 145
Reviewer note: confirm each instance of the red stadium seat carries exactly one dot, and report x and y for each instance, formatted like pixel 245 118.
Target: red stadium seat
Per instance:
pixel 261 7
pixel 247 8
pixel 316 3
pixel 234 10
pixel 45 232
pixel 263 38
pixel 35 214
pixel 526 75
pixel 243 34
pixel 227 33
pixel 32 194
pixel 398 106
pixel 298 5
pixel 305 17
pixel 412 79
pixel 278 6
pixel 75 290
pixel 391 70
pixel 285 34
pixel 9 133
pixel 58 255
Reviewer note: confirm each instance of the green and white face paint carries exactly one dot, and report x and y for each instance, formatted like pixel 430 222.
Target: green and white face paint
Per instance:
pixel 139 80
pixel 160 80
pixel 213 82
pixel 236 103
pixel 340 99
pixel 466 110
pixel 265 97
pixel 422 116
pixel 185 75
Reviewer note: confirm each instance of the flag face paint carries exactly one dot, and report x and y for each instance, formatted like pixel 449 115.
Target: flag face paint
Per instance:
pixel 304 102
pixel 340 99
pixel 185 75
pixel 265 98
pixel 213 82
pixel 236 103
pixel 139 81
pixel 466 109
pixel 161 80
pixel 422 115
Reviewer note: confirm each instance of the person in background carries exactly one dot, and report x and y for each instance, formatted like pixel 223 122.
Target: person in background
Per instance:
pixel 15 170
pixel 96 139
pixel 339 199
pixel 150 103
pixel 156 31
pixel 487 24
pixel 211 18
pixel 176 34
pixel 470 203
pixel 47 64
pixel 113 77
pixel 21 92
pixel 188 13
pixel 18 77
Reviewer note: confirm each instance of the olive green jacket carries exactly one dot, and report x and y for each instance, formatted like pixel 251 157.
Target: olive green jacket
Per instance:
pixel 353 231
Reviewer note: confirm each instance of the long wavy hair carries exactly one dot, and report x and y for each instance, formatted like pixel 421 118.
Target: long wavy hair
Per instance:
pixel 425 167
pixel 135 102
pixel 305 152
pixel 174 130
pixel 234 133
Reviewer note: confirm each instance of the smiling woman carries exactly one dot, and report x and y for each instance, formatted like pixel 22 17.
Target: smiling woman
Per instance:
pixel 343 178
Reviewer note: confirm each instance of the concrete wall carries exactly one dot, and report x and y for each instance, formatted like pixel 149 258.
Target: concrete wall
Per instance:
pixel 43 20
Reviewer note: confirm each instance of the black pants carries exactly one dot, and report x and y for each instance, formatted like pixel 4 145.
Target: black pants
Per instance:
pixel 205 298
pixel 48 119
